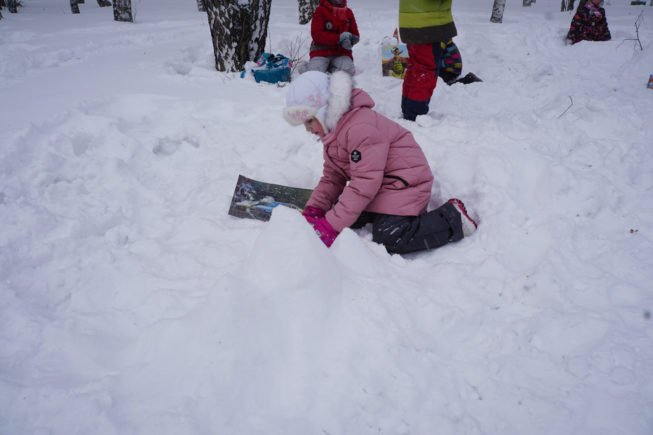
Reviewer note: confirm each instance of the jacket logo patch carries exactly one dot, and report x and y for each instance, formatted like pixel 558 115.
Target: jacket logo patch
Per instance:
pixel 356 156
pixel 328 25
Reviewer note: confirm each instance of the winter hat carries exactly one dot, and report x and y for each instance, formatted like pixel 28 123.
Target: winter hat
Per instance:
pixel 307 97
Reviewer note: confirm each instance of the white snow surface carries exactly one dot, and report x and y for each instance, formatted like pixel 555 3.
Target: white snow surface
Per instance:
pixel 131 303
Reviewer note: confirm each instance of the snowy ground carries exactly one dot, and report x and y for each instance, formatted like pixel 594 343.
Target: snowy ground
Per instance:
pixel 131 303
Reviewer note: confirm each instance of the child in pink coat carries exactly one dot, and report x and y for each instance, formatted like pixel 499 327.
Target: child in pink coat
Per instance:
pixel 374 171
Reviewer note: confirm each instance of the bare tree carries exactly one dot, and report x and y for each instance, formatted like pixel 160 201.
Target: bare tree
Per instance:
pixel 306 10
pixel 567 5
pixel 238 30
pixel 122 10
pixel 497 11
pixel 636 38
pixel 296 49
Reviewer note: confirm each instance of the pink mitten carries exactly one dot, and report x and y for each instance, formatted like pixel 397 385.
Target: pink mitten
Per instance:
pixel 311 214
pixel 326 232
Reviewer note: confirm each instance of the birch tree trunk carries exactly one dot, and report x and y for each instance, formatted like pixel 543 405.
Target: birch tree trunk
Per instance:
pixel 497 11
pixel 306 10
pixel 567 5
pixel 200 6
pixel 238 30
pixel 122 10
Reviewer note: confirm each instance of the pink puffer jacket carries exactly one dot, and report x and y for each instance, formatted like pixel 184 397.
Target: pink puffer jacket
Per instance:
pixel 371 163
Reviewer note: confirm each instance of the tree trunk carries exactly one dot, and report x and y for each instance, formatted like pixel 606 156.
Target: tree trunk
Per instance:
pixel 306 10
pixel 238 31
pixel 122 10
pixel 497 11
pixel 74 7
pixel 200 6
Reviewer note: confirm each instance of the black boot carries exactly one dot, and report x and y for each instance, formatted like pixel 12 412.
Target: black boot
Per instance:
pixel 469 78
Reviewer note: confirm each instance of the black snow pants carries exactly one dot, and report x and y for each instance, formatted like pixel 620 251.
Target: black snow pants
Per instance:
pixel 406 234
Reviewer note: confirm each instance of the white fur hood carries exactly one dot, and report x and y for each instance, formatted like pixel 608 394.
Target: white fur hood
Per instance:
pixel 340 89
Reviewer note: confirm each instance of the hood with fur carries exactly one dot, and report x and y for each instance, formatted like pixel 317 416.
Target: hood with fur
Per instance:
pixel 318 95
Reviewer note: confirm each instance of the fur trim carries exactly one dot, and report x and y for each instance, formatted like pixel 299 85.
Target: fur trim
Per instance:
pixel 297 115
pixel 340 87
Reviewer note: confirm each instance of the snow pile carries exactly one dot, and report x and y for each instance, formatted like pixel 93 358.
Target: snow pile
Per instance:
pixel 131 303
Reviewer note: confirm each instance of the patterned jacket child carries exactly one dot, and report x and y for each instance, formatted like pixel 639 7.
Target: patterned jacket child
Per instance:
pixel 589 23
pixel 374 171
pixel 334 32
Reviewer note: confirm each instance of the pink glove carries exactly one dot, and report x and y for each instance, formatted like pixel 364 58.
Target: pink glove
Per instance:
pixel 311 214
pixel 326 232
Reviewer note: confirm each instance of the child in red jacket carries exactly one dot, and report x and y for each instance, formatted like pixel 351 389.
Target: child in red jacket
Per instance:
pixel 334 32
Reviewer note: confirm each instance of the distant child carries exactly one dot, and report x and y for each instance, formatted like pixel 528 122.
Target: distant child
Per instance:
pixel 427 28
pixel 589 23
pixel 334 32
pixel 374 171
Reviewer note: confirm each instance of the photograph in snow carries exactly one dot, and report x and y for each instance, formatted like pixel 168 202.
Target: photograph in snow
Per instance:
pixel 255 199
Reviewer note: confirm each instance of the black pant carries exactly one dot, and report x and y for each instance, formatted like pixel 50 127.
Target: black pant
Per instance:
pixel 405 234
